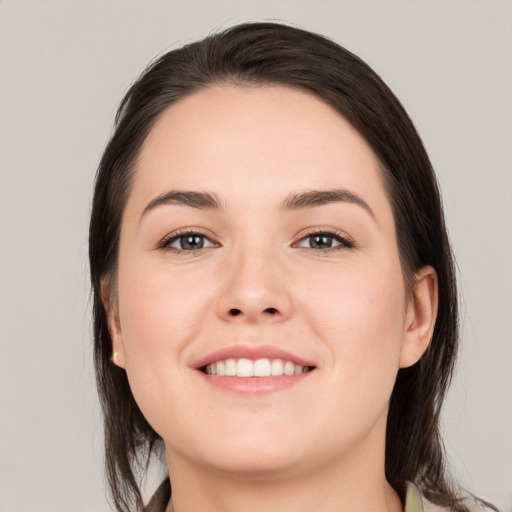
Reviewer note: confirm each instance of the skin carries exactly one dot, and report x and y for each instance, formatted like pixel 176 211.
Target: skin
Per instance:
pixel 318 445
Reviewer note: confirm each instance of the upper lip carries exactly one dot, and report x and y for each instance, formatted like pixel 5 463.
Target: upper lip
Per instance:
pixel 252 352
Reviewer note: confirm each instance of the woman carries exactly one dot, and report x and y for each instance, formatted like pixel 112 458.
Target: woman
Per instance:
pixel 275 304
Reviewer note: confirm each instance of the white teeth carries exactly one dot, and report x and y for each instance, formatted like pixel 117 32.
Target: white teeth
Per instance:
pixel 276 367
pixel 260 368
pixel 289 368
pixel 230 367
pixel 244 368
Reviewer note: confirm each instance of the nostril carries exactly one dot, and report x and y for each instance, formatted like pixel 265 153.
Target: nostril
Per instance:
pixel 236 312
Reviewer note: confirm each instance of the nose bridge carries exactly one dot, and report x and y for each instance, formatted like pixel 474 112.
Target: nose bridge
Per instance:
pixel 254 288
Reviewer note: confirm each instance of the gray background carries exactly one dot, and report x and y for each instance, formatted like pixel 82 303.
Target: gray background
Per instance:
pixel 63 68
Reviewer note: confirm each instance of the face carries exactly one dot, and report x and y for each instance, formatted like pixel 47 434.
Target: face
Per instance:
pixel 261 312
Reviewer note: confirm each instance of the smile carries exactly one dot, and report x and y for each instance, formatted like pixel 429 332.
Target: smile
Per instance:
pixel 243 367
pixel 254 369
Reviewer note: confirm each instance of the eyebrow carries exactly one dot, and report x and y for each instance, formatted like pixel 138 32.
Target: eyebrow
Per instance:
pixel 314 198
pixel 200 200
pixel 295 201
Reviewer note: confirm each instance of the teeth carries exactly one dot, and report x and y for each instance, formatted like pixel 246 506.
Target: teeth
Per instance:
pixel 230 367
pixel 259 368
pixel 276 367
pixel 289 368
pixel 244 368
pixel 262 368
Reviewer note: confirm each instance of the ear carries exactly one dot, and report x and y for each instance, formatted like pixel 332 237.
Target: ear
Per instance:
pixel 421 317
pixel 114 325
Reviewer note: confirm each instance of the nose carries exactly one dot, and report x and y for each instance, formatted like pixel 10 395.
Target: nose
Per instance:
pixel 255 289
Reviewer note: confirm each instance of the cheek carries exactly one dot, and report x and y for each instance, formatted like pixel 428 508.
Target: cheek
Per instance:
pixel 158 308
pixel 160 313
pixel 360 321
pixel 360 316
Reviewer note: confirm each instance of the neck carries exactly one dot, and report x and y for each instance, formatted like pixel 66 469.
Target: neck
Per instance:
pixel 302 495
pixel 354 484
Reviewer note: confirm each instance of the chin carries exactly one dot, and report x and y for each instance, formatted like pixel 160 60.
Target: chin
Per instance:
pixel 258 465
pixel 251 455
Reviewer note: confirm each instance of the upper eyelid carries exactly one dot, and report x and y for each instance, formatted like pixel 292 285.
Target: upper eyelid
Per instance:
pixel 318 230
pixel 183 232
pixel 187 231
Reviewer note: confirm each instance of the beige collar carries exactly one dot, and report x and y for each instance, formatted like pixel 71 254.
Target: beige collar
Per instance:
pixel 413 499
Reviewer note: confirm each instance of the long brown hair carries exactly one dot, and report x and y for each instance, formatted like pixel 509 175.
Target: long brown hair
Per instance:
pixel 269 53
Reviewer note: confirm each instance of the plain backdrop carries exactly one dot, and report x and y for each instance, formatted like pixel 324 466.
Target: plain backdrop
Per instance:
pixel 63 68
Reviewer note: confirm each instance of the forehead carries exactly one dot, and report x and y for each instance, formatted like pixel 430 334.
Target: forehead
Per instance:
pixel 258 141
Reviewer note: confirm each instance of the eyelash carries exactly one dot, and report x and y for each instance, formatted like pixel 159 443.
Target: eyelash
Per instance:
pixel 344 241
pixel 164 244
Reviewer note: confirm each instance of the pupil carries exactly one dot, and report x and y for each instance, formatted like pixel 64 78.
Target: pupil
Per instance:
pixel 321 241
pixel 192 242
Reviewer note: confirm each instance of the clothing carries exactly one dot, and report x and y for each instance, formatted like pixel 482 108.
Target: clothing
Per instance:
pixel 414 501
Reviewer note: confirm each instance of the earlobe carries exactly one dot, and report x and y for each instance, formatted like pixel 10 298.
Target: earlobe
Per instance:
pixel 114 324
pixel 421 317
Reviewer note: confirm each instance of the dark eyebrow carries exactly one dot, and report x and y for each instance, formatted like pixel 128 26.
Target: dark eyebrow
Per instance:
pixel 200 200
pixel 314 198
pixel 295 201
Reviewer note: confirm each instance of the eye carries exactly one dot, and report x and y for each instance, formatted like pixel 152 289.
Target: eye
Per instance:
pixel 325 240
pixel 186 242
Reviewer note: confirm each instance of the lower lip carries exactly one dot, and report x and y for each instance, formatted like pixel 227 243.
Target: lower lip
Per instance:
pixel 255 385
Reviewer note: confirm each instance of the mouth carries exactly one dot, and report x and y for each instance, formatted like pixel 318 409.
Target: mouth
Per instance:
pixel 264 367
pixel 254 369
